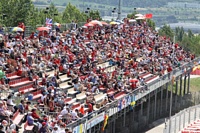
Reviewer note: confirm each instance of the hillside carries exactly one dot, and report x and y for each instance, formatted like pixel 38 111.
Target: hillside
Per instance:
pixel 164 11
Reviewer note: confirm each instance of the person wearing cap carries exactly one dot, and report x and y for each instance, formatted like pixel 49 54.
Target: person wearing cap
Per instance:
pixel 44 128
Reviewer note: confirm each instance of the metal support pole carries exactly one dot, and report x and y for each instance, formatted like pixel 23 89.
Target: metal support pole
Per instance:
pixel 179 122
pixel 114 123
pixel 154 116
pixel 166 98
pixel 184 119
pixel 189 116
pixel 161 100
pixel 181 85
pixel 170 109
pixel 184 89
pixel 176 93
pixel 119 10
pixel 148 108
pixel 175 125
pixel 141 110
pixel 195 114
pixel 124 123
pixel 188 85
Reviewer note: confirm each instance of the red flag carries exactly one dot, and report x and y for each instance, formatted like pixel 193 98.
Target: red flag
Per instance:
pixel 148 16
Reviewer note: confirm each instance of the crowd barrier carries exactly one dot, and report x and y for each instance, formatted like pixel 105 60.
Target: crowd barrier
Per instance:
pixel 182 119
pixel 112 108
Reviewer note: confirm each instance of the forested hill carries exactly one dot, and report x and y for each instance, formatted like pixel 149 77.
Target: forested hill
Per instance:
pixel 132 3
pixel 126 3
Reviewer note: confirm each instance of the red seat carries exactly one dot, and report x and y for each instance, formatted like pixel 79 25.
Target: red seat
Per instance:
pixel 37 94
pixel 27 127
pixel 17 117
pixel 110 91
pixel 119 95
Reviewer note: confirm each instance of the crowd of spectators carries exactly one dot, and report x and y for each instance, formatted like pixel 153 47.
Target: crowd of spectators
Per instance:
pixel 133 48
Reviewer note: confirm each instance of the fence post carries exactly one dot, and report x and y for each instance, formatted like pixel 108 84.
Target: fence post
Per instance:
pixel 189 116
pixel 184 118
pixel 175 124
pixel 180 121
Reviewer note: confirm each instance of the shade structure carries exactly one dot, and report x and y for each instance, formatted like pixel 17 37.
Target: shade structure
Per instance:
pixel 89 25
pixel 114 23
pixel 43 29
pixel 104 23
pixel 139 15
pixel 17 29
pixel 96 22
pixel 140 18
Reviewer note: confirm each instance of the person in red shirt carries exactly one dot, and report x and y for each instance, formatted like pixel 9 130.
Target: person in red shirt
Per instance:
pixel 34 114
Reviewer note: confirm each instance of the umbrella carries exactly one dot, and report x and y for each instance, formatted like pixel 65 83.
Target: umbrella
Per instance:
pixel 140 18
pixel 95 22
pixel 114 23
pixel 57 24
pixel 88 24
pixel 132 20
pixel 17 29
pixel 139 15
pixel 104 23
pixel 43 29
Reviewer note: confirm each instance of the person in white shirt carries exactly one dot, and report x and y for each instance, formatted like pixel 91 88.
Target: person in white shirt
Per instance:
pixel 64 111
pixel 74 115
pixel 56 129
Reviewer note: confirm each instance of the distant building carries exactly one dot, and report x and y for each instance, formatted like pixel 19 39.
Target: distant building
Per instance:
pixel 183 5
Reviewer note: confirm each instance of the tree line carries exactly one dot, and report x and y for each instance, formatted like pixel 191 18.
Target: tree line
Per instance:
pixel 14 11
pixel 188 40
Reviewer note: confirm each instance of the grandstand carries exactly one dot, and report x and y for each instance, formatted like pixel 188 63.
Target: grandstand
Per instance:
pixel 85 78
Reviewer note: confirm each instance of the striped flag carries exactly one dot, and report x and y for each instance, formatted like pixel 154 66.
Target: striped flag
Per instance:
pixel 49 22
pixel 105 122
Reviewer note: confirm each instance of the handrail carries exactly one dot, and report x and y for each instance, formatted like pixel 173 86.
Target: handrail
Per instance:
pixel 181 125
pixel 176 72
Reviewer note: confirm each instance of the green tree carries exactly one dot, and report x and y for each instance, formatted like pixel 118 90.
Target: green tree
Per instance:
pixel 166 31
pixel 71 13
pixel 151 24
pixel 95 15
pixel 16 11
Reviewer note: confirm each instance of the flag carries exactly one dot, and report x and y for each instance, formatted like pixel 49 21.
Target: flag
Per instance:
pixel 148 16
pixel 49 22
pixel 78 129
pixel 105 122
pixel 119 105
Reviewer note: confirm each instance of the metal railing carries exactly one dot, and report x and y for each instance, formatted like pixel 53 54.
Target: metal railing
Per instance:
pixel 112 109
pixel 182 119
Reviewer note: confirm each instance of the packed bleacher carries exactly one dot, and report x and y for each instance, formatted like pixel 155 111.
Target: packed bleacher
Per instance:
pixel 192 128
pixel 50 81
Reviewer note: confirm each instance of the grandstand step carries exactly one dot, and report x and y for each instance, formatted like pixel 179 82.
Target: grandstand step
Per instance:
pixel 71 92
pixel 70 101
pixel 37 95
pixel 64 78
pixel 14 77
pixel 20 83
pixel 26 89
pixel 65 85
